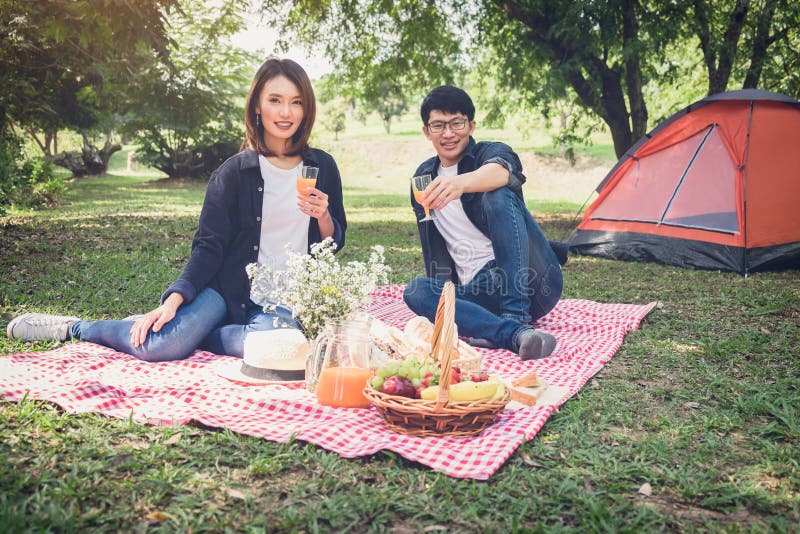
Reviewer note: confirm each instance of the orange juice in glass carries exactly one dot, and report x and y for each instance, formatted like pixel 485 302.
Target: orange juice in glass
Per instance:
pixel 307 179
pixel 343 386
pixel 338 366
pixel 418 185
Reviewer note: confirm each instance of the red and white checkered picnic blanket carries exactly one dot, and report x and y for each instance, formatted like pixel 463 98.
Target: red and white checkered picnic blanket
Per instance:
pixel 84 377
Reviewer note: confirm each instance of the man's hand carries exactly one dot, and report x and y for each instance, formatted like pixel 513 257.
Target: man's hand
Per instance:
pixel 443 190
pixel 155 319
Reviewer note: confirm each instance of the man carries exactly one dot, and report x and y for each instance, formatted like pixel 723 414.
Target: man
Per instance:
pixel 482 235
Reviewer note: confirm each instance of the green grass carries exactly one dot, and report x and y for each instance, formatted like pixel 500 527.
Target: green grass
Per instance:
pixel 702 402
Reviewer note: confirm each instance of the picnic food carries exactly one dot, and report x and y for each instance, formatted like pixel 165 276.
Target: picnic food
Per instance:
pixel 442 416
pixel 389 339
pixel 526 396
pixel 419 331
pixel 415 339
pixel 528 381
pixel 392 378
pixel 398 385
pixel 418 378
pixel 469 390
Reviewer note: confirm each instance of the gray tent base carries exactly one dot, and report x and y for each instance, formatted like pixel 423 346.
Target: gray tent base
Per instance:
pixel 629 246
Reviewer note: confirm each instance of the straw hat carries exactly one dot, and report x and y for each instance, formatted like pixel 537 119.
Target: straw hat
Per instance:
pixel 270 356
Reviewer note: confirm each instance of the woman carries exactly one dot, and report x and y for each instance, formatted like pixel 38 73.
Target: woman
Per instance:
pixel 250 212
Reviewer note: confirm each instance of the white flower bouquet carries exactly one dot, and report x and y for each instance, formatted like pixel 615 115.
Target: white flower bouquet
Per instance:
pixel 316 287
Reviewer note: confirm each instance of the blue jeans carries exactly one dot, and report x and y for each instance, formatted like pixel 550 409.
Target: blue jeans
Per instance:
pixel 199 324
pixel 522 283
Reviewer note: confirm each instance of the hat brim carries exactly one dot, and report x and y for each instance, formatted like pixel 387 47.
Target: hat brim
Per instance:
pixel 233 371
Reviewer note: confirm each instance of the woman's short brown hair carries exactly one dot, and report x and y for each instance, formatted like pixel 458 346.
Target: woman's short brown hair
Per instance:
pixel 272 68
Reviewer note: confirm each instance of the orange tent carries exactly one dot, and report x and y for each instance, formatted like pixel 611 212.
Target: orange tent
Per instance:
pixel 715 186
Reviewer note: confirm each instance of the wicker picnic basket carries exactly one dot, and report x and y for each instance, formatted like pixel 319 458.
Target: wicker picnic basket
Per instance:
pixel 441 417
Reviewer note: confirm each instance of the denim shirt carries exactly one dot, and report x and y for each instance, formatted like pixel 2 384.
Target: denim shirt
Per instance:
pixel 438 262
pixel 229 230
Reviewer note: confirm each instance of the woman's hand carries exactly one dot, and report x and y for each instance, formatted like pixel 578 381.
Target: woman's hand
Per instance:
pixel 314 204
pixel 155 319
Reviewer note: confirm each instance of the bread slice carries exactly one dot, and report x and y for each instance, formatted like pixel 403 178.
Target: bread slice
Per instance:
pixel 528 381
pixel 527 396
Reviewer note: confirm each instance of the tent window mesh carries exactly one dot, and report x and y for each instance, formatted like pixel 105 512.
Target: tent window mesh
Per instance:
pixel 690 184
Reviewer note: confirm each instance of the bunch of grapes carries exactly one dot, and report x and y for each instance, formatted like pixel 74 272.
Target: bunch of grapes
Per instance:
pixel 406 378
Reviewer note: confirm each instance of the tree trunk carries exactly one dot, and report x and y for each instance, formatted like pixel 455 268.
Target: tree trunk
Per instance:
pixel 761 41
pixel 633 70
pixel 703 32
pixel 562 144
pixel 727 53
pixel 72 161
pixel 719 61
pixel 107 151
pixel 610 103
pixel 90 160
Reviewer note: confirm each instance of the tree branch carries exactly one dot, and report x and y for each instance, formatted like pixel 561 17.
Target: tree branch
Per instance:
pixel 33 136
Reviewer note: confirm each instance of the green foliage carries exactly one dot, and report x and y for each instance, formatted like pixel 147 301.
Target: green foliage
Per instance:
pixel 188 117
pixel 55 54
pixel 382 49
pixel 388 104
pixel 747 44
pixel 25 182
pixel 611 61
pixel 334 118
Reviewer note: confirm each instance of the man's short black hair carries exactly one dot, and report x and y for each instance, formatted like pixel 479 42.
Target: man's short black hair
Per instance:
pixel 448 99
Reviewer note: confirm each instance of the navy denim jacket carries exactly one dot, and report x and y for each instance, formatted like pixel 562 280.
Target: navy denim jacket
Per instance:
pixel 229 231
pixel 438 263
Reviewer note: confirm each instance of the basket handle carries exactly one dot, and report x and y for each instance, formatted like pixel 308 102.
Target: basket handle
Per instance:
pixel 443 342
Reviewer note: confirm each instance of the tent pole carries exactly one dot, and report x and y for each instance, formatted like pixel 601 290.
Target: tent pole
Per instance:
pixel 745 260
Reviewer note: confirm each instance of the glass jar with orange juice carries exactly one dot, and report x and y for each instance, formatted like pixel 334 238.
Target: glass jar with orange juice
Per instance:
pixel 339 364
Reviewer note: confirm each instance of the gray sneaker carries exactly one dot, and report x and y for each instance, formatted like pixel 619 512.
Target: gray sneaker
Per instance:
pixel 534 344
pixel 39 327
pixel 134 317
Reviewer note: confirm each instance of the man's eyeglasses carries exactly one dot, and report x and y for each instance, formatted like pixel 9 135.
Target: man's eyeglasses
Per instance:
pixel 456 125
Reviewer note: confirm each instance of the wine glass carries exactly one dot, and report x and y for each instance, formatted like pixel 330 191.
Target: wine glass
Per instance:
pixel 418 185
pixel 307 179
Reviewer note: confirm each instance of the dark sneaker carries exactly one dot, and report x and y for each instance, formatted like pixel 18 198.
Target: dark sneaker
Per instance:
pixel 39 327
pixel 534 344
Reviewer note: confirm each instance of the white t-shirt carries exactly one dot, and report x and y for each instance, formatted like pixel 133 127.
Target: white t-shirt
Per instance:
pixel 468 247
pixel 282 222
